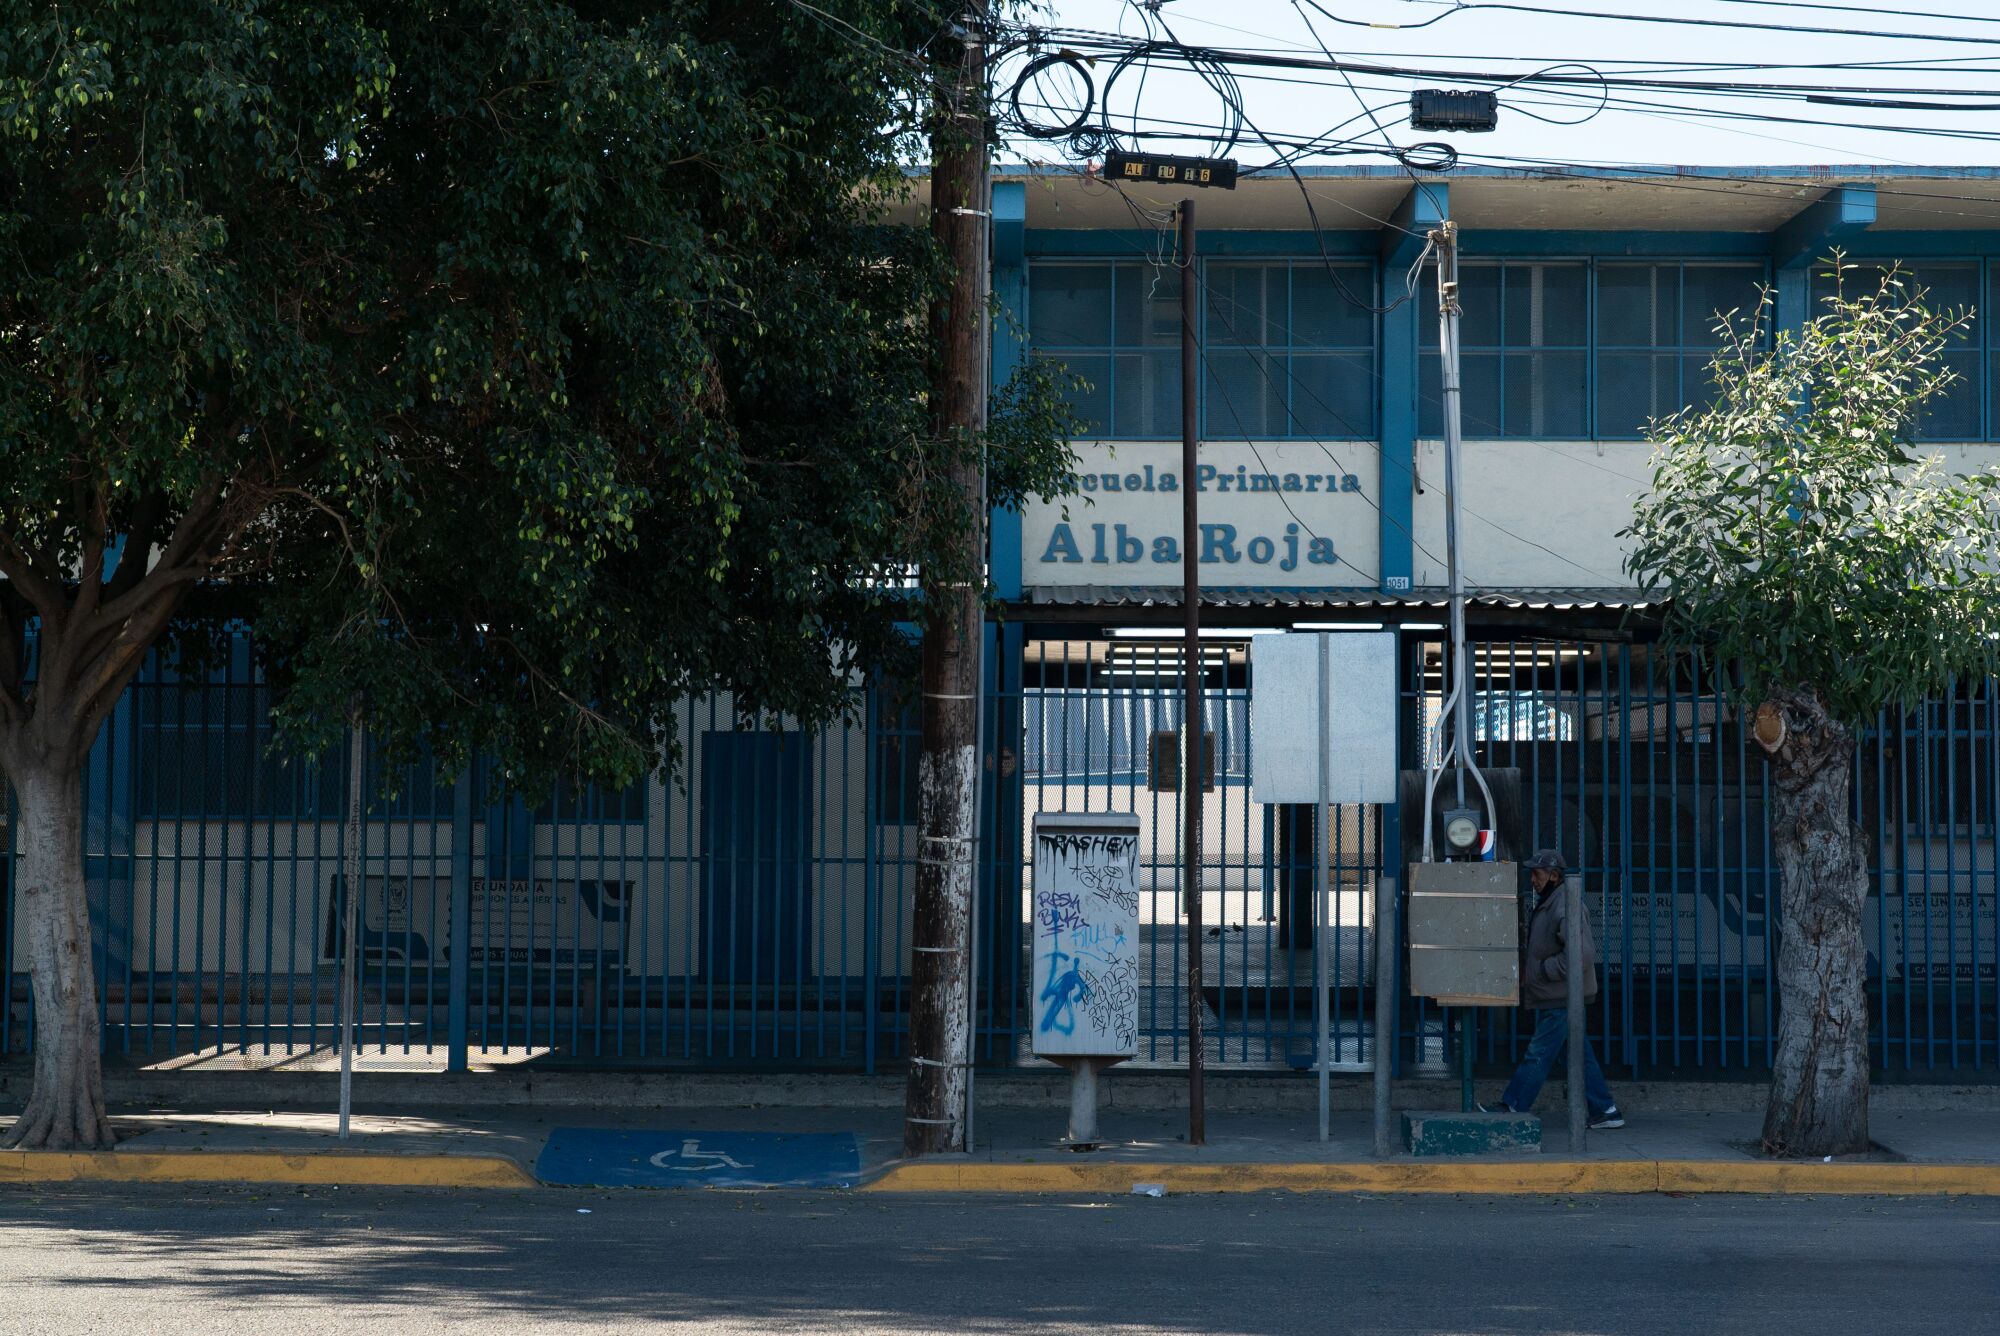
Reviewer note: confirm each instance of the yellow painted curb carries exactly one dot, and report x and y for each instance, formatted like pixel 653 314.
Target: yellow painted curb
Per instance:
pixel 315 1167
pixel 1894 1179
pixel 1471 1177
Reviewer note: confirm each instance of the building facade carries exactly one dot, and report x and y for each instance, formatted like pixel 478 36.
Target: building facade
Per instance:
pixel 754 910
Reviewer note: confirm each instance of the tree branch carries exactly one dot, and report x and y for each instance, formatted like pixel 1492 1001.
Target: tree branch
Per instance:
pixel 133 561
pixel 179 564
pixel 28 571
pixel 94 515
pixel 115 668
pixel 13 635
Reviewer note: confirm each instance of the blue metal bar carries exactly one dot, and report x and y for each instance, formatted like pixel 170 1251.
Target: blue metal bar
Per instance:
pixel 458 1000
pixel 1625 850
pixel 1951 823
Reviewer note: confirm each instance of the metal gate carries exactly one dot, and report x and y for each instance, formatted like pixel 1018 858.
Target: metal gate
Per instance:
pixel 1101 731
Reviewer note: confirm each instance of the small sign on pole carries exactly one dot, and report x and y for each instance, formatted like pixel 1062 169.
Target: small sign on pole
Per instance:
pixel 1358 722
pixel 1086 950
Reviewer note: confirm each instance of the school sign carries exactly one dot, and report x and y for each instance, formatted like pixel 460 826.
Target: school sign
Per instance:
pixel 1290 514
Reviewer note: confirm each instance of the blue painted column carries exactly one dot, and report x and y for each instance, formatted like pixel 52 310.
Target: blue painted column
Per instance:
pixel 1401 242
pixel 997 900
pixel 1010 293
pixel 1798 247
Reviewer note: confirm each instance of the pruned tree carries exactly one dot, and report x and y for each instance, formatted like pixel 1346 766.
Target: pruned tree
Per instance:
pixel 514 366
pixel 1831 570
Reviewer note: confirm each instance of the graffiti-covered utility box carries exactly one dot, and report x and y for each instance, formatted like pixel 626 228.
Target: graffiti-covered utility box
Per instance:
pixel 1086 931
pixel 1465 933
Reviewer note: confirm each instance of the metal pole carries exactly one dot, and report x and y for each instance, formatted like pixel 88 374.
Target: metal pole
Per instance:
pixel 350 977
pixel 1321 846
pixel 459 998
pixel 1573 930
pixel 1447 249
pixel 1465 1088
pixel 1385 1006
pixel 1192 749
pixel 1461 722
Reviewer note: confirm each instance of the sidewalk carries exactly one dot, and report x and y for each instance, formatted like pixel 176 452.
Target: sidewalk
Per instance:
pixel 1015 1151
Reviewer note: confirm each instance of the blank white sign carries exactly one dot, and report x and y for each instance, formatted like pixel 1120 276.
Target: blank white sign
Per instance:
pixel 1360 727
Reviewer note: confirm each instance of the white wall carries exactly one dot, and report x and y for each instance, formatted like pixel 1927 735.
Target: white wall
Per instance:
pixel 1569 497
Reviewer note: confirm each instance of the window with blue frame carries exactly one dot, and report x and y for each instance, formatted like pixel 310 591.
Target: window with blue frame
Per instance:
pixel 1524 343
pixel 1657 333
pixel 1117 326
pixel 1289 346
pixel 1581 349
pixel 1952 285
pixel 1289 349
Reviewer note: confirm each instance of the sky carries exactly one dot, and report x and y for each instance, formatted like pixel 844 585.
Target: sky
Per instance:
pixel 1300 105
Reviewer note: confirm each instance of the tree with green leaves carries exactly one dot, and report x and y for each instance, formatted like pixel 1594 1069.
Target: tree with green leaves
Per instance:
pixel 513 367
pixel 1830 571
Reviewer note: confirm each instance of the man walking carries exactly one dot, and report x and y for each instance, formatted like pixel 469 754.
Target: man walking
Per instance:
pixel 1545 989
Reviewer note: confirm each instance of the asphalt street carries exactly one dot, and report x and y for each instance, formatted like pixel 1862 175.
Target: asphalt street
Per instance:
pixel 250 1261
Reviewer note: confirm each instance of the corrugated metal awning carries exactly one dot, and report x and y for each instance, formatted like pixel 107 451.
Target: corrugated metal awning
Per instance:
pixel 1146 596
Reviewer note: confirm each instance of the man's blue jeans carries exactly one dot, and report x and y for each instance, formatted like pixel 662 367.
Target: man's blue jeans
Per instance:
pixel 1544 1051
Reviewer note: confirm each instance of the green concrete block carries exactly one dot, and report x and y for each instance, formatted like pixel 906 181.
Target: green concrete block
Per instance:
pixel 1455 1133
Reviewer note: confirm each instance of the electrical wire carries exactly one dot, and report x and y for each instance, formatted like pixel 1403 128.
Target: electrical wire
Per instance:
pixel 1865 9
pixel 1511 6
pixel 1312 213
pixel 1108 43
pixel 1303 146
pixel 1344 75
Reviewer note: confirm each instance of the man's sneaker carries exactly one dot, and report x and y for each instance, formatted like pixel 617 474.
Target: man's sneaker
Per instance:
pixel 1609 1120
pixel 1494 1108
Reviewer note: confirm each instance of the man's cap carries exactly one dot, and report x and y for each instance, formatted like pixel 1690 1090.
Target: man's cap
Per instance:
pixel 1544 860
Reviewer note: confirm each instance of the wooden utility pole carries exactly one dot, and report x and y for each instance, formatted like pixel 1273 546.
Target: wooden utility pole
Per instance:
pixel 1194 749
pixel 934 1108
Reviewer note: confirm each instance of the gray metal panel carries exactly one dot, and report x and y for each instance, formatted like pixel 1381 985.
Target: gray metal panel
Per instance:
pixel 1465 932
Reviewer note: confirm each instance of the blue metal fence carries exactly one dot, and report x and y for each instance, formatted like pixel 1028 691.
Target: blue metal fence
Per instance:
pixel 1642 773
pixel 754 909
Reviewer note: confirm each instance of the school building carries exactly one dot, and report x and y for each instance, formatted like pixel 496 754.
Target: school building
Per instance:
pixel 754 911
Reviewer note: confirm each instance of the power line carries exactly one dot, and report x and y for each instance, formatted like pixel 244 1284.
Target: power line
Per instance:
pixel 1108 42
pixel 1214 66
pixel 1865 9
pixel 1680 20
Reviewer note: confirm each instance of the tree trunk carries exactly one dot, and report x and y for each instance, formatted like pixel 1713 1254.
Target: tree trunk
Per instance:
pixel 1819 1085
pixel 66 1109
pixel 934 1100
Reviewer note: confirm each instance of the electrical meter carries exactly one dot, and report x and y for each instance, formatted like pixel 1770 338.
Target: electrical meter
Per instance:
pixel 1461 829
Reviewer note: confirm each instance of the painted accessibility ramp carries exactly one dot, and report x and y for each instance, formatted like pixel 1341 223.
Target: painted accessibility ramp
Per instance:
pixel 602 1157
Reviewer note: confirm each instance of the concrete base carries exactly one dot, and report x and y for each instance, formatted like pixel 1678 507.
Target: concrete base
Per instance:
pixel 1083 1101
pixel 1455 1133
